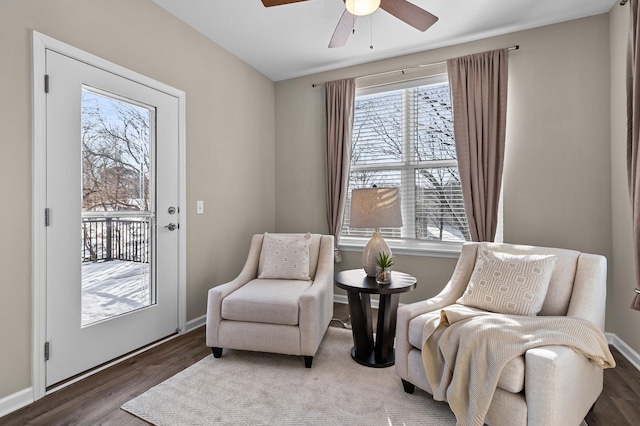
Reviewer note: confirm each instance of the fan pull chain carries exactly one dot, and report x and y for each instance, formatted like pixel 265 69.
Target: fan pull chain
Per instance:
pixel 371 27
pixel 353 24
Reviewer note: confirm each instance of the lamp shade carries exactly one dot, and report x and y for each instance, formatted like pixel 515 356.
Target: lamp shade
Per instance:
pixel 375 208
pixel 362 7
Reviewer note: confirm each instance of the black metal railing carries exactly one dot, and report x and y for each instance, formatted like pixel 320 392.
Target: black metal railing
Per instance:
pixel 106 239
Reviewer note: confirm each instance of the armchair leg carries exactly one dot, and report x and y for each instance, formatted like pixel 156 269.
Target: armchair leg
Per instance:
pixel 217 352
pixel 408 387
pixel 307 361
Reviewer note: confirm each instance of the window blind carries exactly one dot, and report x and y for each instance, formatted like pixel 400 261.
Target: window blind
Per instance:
pixel 403 137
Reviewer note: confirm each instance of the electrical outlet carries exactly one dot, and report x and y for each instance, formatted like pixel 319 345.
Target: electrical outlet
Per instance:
pixel 199 207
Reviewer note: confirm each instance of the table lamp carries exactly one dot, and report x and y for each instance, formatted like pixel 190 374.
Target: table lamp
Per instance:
pixel 375 208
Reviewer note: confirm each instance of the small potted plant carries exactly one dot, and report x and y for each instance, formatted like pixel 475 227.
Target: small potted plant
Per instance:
pixel 384 265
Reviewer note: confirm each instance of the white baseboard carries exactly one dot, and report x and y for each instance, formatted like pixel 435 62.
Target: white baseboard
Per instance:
pixel 627 351
pixel 16 401
pixel 196 323
pixel 341 298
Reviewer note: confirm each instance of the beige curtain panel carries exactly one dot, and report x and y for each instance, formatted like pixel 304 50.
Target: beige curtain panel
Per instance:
pixel 478 85
pixel 340 103
pixel 633 140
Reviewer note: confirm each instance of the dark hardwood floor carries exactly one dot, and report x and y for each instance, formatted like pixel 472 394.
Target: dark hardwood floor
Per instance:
pixel 97 399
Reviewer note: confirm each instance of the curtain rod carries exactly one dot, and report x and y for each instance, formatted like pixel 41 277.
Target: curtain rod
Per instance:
pixel 516 47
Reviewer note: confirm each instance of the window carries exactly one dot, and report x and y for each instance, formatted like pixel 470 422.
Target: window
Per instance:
pixel 403 137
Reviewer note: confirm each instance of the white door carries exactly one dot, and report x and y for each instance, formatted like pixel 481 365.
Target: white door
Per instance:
pixel 112 216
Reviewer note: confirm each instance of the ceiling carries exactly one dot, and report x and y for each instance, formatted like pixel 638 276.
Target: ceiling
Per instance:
pixel 289 41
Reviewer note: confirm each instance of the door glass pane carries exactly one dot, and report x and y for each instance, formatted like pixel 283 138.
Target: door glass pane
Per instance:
pixel 117 211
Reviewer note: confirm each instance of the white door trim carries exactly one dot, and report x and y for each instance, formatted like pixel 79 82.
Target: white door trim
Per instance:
pixel 40 43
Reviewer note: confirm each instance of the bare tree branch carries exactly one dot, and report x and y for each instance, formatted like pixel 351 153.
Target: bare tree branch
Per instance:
pixel 115 155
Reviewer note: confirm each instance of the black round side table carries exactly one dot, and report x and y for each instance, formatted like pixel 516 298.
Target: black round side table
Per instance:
pixel 359 289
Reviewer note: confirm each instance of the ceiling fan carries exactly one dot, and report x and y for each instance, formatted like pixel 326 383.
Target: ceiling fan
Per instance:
pixel 401 9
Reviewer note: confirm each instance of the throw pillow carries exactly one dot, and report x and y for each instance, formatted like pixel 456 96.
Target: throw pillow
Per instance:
pixel 285 256
pixel 508 283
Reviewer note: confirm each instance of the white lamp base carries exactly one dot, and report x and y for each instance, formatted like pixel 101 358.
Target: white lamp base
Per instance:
pixel 375 245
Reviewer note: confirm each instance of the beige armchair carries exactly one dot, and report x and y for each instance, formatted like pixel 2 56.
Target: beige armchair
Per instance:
pixel 549 385
pixel 286 316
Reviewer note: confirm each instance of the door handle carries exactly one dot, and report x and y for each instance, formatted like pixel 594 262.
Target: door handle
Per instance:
pixel 172 226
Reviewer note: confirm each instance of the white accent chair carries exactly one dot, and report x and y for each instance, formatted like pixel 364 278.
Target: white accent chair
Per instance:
pixel 274 315
pixel 550 385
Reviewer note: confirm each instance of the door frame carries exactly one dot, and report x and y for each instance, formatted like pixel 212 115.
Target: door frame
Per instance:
pixel 41 43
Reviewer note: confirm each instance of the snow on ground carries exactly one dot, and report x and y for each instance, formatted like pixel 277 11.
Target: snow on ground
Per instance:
pixel 113 288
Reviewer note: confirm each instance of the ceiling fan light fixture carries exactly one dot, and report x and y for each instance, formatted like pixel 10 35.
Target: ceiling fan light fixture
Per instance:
pixel 362 7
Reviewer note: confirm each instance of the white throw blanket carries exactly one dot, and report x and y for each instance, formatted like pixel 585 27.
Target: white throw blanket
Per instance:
pixel 465 351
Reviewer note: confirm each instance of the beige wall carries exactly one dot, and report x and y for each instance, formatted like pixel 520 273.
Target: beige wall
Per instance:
pixel 230 145
pixel 626 322
pixel 557 178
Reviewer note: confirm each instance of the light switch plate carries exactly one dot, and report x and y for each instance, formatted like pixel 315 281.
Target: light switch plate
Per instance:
pixel 199 207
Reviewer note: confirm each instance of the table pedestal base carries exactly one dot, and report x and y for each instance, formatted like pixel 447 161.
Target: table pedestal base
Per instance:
pixel 366 351
pixel 370 361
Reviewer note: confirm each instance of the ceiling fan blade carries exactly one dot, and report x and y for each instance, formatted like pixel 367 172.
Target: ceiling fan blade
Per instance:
pixel 269 3
pixel 409 13
pixel 343 30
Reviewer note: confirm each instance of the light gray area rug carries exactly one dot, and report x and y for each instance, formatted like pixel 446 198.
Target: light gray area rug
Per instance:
pixel 250 388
